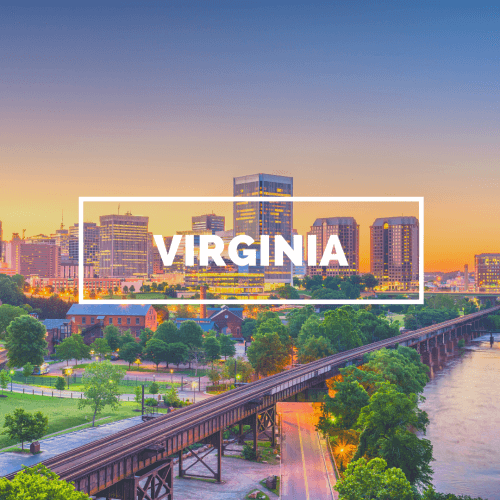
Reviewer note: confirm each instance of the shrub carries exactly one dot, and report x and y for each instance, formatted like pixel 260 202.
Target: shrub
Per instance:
pixel 150 402
pixel 249 453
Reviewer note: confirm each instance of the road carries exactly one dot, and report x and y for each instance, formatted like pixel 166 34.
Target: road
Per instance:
pixel 304 469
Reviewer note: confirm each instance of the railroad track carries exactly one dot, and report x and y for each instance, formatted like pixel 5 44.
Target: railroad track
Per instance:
pixel 87 458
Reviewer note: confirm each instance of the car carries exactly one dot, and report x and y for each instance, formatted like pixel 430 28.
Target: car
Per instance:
pixel 41 370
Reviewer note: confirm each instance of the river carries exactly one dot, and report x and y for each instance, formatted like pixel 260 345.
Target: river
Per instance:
pixel 463 404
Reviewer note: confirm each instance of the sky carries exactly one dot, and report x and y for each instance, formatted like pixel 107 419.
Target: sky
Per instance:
pixel 177 98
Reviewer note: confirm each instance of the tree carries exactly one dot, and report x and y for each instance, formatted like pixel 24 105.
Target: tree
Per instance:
pixel 227 347
pixel 244 370
pixel 7 314
pixel 341 329
pixel 9 291
pixel 314 348
pixel 130 351
pixel 155 351
pixel 38 483
pixel 27 371
pixel 138 394
pixel 127 337
pixel 373 481
pixel 267 354
pixel 343 410
pixel 248 327
pixel 145 335
pixel 171 398
pixel 125 289
pixel 296 318
pixel 183 311
pixel 214 375
pixel 370 281
pixel 73 347
pixel 113 337
pixel 4 380
pixel 168 332
pixel 26 341
pixel 191 334
pixel 153 388
pixel 312 327
pixel 288 292
pixel 60 384
pixel 212 349
pixel 101 348
pixel 100 387
pixel 24 426
pixel 132 288
pixel 274 325
pixel 385 424
pixel 177 353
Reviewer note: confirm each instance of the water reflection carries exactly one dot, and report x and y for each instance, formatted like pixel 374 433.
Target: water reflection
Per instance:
pixel 463 404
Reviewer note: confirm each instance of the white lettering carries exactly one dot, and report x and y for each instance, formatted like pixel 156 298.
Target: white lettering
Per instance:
pixel 250 258
pixel 339 255
pixel 167 257
pixel 205 252
pixel 294 252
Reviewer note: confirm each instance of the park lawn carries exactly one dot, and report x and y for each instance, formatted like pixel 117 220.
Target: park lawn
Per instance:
pixel 122 389
pixel 63 413
pixel 397 317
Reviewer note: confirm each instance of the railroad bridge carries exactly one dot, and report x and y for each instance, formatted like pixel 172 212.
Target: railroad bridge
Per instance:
pixel 137 463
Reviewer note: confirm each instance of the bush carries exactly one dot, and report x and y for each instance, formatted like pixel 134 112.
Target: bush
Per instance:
pixel 461 343
pixel 249 453
pixel 150 402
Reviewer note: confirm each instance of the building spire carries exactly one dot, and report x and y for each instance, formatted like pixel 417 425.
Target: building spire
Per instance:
pixel 62 219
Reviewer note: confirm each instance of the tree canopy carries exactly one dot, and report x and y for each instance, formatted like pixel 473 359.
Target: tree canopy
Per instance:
pixel 26 341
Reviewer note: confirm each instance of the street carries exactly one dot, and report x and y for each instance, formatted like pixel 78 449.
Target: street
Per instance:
pixel 304 473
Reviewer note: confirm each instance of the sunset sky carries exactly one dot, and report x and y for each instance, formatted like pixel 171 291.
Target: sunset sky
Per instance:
pixel 175 98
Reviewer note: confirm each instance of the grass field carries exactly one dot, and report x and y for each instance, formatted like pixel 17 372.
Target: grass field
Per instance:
pixel 62 413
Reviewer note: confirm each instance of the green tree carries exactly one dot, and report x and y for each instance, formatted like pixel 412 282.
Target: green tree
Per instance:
pixel 247 327
pixel 267 354
pixel 153 388
pixel 227 347
pixel 342 411
pixel 244 370
pixel 296 318
pixel 385 433
pixel 168 333
pixel 101 348
pixel 191 334
pixel 214 375
pixel 145 335
pixel 73 347
pixel 132 288
pixel 341 329
pixel 26 341
pixel 4 379
pixel 9 291
pixel 155 351
pixel 130 351
pixel 274 325
pixel 177 353
pixel 370 281
pixel 27 371
pixel 314 348
pixel 60 384
pixel 373 481
pixel 171 398
pixel 100 387
pixel 24 426
pixel 38 483
pixel 312 327
pixel 183 311
pixel 138 394
pixel 7 314
pixel 288 292
pixel 127 337
pixel 212 349
pixel 113 337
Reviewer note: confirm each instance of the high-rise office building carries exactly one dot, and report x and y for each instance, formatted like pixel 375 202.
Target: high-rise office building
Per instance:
pixel 487 271
pixel 394 252
pixel 347 231
pixel 260 218
pixel 123 245
pixel 208 222
pixel 1 242
pixel 33 259
pixel 90 244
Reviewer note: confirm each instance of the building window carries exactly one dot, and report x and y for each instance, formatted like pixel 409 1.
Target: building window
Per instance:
pixel 128 321
pixel 136 321
pixel 84 320
pixel 110 321
pixel 119 321
pixel 92 320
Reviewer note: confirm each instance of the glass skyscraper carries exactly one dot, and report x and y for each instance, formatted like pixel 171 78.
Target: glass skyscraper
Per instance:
pixel 260 218
pixel 124 245
pixel 90 244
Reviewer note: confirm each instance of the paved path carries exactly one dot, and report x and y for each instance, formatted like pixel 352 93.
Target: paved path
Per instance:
pixel 303 469
pixel 30 389
pixel 50 447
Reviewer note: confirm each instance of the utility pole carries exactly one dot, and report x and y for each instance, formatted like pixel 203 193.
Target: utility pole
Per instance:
pixel 142 399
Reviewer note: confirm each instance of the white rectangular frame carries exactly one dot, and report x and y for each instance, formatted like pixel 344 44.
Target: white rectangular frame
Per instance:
pixel 201 199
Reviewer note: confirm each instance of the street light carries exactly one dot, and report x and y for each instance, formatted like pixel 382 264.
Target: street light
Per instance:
pixel 172 377
pixel 69 371
pixel 193 385
pixel 11 373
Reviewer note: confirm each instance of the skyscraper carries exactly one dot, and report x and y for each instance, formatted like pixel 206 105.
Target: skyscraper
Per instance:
pixel 487 268
pixel 260 218
pixel 123 245
pixel 347 229
pixel 208 222
pixel 394 252
pixel 1 242
pixel 90 244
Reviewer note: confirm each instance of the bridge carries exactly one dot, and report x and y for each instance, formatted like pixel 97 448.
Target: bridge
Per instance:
pixel 137 463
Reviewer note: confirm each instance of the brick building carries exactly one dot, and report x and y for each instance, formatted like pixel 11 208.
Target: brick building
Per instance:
pixel 92 319
pixel 57 331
